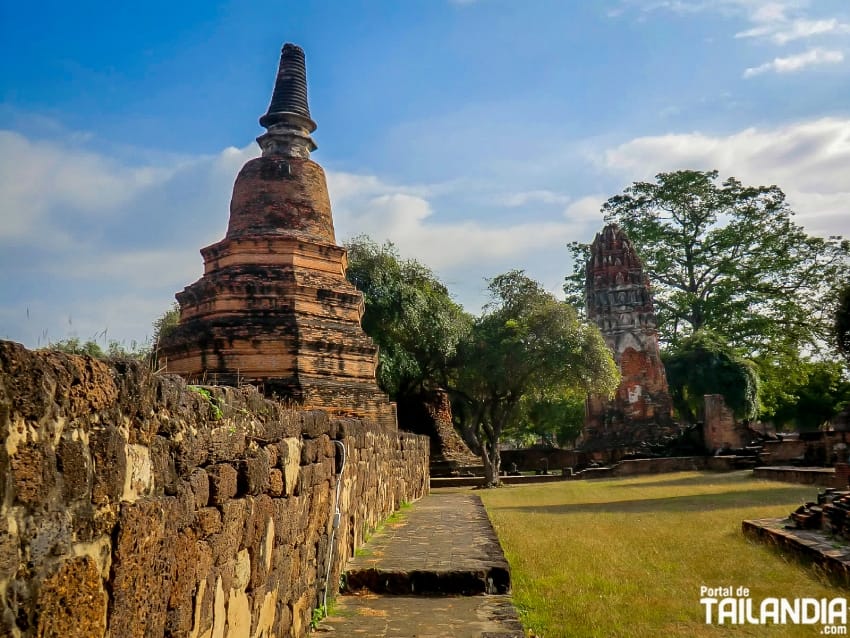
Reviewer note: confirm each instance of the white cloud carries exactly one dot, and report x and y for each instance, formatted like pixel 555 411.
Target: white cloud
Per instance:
pixel 783 33
pixel 586 209
pixel 793 63
pixel 808 160
pixel 79 229
pixel 35 176
pixel 775 22
pixel 407 221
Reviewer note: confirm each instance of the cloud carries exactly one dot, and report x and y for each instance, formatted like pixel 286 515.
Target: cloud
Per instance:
pixel 80 228
pixel 773 22
pixel 408 221
pixel 782 33
pixel 586 209
pixel 793 63
pixel 808 160
pixel 34 176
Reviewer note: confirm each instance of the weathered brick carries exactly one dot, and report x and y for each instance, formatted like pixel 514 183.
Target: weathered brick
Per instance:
pixel 72 463
pixel 33 474
pixel 254 474
pixel 110 464
pixel 208 520
pixel 200 482
pixel 275 482
pixel 72 602
pixel 222 482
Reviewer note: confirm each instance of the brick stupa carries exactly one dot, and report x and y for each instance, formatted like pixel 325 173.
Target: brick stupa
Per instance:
pixel 619 301
pixel 273 307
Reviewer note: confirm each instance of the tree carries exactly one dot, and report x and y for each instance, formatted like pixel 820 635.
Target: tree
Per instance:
pixel 409 314
pixel 166 323
pixel 818 392
pixel 842 322
pixel 529 346
pixel 557 420
pixel 703 363
pixel 726 257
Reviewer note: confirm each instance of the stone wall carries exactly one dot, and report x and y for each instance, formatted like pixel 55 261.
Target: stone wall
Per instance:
pixel 780 452
pixel 722 430
pixel 133 505
pixel 823 476
pixel 532 459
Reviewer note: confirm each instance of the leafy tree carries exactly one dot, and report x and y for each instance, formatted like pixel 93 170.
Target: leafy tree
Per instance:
pixel 781 373
pixel 409 314
pixel 726 257
pixel 816 394
pixel 528 346
pixel 704 363
pixel 842 322
pixel 166 322
pixel 557 420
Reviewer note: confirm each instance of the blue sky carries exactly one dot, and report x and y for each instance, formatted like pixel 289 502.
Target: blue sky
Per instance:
pixel 478 135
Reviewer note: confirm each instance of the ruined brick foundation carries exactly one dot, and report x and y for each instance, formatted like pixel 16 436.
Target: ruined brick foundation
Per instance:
pixel 133 505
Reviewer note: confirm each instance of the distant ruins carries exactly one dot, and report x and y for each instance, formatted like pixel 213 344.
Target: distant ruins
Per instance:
pixel 620 302
pixel 273 307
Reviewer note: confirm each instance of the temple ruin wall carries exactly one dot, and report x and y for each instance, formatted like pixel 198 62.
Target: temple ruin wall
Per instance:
pixel 133 505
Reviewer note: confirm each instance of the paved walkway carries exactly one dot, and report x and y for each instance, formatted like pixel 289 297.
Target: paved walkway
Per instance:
pixel 438 573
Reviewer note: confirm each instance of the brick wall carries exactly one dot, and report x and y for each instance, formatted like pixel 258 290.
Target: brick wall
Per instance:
pixel 132 505
pixel 721 428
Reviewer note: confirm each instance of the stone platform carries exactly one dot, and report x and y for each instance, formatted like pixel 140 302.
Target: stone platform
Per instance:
pixel 440 571
pixel 823 476
pixel 809 545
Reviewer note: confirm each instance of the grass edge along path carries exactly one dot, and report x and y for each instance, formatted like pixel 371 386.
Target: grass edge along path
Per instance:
pixel 627 557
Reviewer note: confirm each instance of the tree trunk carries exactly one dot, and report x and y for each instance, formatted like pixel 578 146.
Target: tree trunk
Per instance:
pixel 492 460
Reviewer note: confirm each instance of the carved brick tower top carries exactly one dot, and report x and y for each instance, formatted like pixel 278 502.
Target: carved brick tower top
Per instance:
pixel 273 307
pixel 620 302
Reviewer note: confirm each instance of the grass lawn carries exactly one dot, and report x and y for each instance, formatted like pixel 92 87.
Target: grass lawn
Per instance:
pixel 627 557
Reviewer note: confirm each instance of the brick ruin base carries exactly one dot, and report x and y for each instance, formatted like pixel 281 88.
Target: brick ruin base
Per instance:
pixel 430 413
pixel 134 505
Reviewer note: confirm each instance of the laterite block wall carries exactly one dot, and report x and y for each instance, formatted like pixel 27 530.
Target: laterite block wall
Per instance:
pixel 131 505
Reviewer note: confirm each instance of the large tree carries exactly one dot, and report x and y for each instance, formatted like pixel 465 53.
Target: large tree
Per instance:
pixel 812 396
pixel 703 363
pixel 409 314
pixel 556 420
pixel 726 257
pixel 842 322
pixel 526 345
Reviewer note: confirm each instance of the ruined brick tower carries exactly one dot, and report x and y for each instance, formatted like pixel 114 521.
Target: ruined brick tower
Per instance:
pixel 620 302
pixel 273 307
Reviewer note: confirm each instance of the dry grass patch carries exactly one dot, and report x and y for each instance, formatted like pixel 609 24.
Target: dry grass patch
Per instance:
pixel 627 557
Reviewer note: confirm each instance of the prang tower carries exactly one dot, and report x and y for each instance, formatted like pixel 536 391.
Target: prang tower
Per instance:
pixel 273 307
pixel 620 302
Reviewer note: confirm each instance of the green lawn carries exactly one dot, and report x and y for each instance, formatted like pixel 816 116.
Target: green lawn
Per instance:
pixel 627 557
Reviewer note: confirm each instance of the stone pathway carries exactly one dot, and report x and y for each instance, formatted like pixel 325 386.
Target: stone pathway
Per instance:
pixel 438 573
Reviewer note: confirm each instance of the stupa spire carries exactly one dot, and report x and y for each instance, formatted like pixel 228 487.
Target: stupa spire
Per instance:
pixel 287 120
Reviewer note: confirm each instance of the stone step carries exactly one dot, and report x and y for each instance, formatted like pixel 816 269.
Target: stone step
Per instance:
pixel 375 616
pixel 443 582
pixel 444 545
pixel 446 467
pixel 438 571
